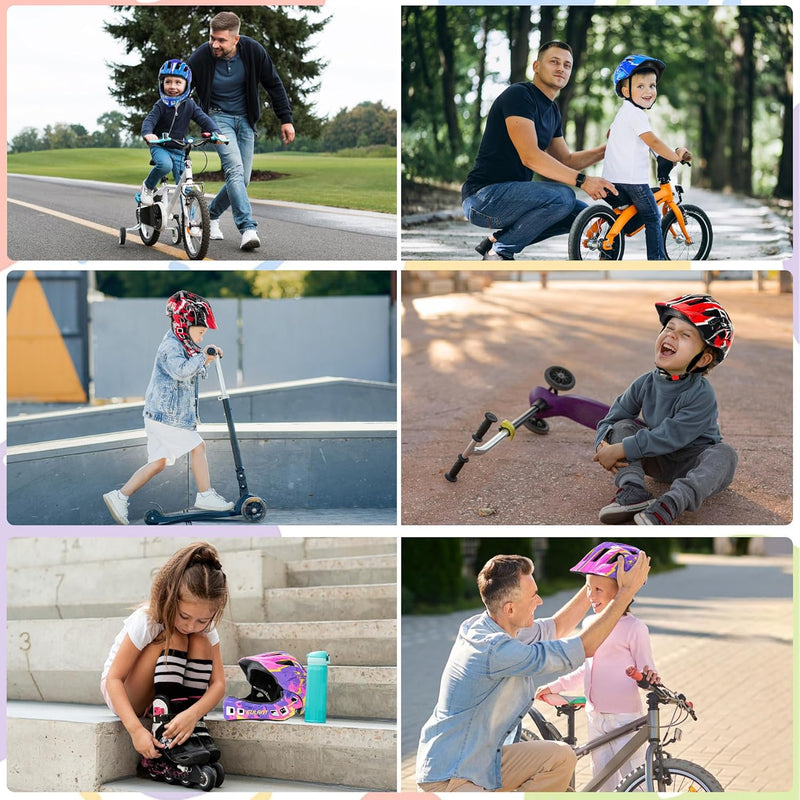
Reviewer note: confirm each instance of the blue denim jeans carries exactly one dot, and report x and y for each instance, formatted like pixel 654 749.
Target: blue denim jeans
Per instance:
pixel 641 195
pixel 237 164
pixel 527 212
pixel 166 161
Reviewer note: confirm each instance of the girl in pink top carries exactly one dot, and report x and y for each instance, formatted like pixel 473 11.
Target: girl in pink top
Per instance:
pixel 612 698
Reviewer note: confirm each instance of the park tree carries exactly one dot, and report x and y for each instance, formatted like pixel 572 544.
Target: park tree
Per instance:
pixel 366 124
pixel 154 34
pixel 26 141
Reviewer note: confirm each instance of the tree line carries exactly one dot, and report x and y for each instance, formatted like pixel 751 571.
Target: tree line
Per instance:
pixel 726 93
pixel 157 33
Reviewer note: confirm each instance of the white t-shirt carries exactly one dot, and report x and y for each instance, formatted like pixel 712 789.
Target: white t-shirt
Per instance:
pixel 141 630
pixel 627 158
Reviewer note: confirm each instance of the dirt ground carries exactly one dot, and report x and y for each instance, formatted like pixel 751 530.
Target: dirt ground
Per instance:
pixel 463 354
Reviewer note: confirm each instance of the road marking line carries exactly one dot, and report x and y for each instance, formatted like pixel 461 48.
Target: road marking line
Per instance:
pixel 96 226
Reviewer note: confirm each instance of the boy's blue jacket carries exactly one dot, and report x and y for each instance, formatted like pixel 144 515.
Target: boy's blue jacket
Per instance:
pixel 172 394
pixel 677 414
pixel 175 121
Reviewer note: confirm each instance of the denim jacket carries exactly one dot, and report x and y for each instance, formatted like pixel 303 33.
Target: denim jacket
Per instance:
pixel 172 394
pixel 487 687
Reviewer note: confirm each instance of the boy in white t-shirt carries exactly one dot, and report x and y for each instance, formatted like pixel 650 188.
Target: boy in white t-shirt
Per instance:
pixel 630 140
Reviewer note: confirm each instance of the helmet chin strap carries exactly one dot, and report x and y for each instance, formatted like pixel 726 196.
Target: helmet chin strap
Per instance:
pixel 689 367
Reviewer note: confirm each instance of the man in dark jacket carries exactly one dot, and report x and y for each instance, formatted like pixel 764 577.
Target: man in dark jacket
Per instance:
pixel 227 72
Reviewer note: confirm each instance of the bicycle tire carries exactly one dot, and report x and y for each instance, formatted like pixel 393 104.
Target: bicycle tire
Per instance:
pixel 148 234
pixel 195 224
pixel 587 233
pixel 699 227
pixel 682 776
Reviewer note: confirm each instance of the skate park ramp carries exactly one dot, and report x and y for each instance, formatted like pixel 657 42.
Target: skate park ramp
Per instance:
pixel 319 451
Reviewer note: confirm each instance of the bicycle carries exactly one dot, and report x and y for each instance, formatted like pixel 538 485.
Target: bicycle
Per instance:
pixel 599 231
pixel 179 208
pixel 660 772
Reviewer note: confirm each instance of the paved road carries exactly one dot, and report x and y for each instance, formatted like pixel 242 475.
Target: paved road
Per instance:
pixel 744 230
pixel 466 353
pixel 722 632
pixel 59 219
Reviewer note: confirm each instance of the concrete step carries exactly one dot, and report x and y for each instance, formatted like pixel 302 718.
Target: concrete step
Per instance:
pixel 314 400
pixel 46 551
pixel 66 747
pixel 368 643
pixel 342 571
pixel 371 601
pixel 118 585
pixel 354 692
pixel 291 465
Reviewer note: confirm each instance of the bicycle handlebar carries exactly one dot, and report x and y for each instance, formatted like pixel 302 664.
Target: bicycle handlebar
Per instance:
pixel 207 138
pixel 664 695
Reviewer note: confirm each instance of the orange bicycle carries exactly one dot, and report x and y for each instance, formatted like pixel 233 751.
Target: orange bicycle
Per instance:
pixel 599 231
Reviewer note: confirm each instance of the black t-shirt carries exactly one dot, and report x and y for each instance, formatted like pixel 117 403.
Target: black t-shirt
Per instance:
pixel 497 160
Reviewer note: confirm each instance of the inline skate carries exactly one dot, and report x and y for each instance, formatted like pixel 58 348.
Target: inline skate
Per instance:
pixel 189 764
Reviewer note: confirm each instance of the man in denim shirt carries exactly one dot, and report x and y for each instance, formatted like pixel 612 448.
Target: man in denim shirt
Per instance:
pixel 490 679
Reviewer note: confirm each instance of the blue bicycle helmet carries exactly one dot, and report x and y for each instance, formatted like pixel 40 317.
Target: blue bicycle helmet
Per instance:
pixel 179 69
pixel 633 64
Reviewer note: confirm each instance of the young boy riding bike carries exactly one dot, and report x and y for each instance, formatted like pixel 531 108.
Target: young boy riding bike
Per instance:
pixel 171 116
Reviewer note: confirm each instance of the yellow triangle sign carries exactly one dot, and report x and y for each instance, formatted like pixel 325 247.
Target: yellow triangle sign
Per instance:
pixel 40 368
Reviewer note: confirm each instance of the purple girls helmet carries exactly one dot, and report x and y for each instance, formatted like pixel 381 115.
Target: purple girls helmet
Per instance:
pixel 602 560
pixel 278 682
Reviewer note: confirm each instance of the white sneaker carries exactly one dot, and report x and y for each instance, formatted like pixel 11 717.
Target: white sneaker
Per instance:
pixel 117 504
pixel 250 240
pixel 214 230
pixel 211 501
pixel 147 195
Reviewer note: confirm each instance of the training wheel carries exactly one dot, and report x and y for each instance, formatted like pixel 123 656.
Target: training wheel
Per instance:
pixel 254 509
pixel 559 378
pixel 123 234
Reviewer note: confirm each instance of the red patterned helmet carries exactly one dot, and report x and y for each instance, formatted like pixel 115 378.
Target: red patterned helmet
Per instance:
pixel 186 309
pixel 707 315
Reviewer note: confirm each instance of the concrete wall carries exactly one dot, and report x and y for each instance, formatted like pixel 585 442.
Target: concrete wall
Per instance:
pixel 263 340
pixel 318 400
pixel 290 465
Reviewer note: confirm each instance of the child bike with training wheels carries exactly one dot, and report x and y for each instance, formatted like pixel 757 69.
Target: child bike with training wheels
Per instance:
pixel 181 208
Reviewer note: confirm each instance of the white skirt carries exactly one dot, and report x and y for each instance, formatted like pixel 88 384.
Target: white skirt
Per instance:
pixel 169 442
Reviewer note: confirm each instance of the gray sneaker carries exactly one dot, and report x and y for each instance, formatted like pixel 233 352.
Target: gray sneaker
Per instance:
pixel 629 500
pixel 117 504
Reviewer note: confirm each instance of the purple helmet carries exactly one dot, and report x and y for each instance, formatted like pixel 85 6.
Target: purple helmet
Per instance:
pixel 602 560
pixel 279 688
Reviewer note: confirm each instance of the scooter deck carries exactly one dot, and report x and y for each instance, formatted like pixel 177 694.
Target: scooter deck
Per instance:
pixel 156 517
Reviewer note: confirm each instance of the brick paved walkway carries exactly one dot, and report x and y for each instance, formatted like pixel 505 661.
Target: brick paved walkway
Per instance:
pixel 722 631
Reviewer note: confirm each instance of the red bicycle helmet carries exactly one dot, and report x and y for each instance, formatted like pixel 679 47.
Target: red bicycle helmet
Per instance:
pixel 707 315
pixel 602 559
pixel 186 309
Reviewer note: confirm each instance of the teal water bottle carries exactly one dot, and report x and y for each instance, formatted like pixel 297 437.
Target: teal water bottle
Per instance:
pixel 317 686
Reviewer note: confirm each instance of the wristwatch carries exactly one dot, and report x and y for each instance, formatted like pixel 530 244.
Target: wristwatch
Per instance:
pixel 580 179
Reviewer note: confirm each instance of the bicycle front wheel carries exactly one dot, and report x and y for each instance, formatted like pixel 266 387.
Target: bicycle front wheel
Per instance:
pixel 677 776
pixel 698 226
pixel 196 224
pixel 589 230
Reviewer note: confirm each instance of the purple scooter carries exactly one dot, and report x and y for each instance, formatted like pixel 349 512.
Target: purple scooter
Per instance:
pixel 544 402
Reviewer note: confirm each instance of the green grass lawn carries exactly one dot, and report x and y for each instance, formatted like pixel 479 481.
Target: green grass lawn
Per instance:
pixel 367 184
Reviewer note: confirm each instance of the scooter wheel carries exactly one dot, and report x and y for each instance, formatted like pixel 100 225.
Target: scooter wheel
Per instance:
pixel 539 426
pixel 559 378
pixel 151 517
pixel 123 234
pixel 254 509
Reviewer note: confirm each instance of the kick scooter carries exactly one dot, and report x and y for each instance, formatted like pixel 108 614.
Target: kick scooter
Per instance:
pixel 252 508
pixel 543 403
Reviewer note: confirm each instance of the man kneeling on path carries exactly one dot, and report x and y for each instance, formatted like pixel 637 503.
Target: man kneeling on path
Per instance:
pixel 491 676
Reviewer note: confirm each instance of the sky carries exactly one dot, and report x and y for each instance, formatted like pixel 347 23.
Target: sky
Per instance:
pixel 67 80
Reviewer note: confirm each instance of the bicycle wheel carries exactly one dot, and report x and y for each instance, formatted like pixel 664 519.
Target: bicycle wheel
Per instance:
pixel 698 226
pixel 196 223
pixel 587 233
pixel 148 234
pixel 678 776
